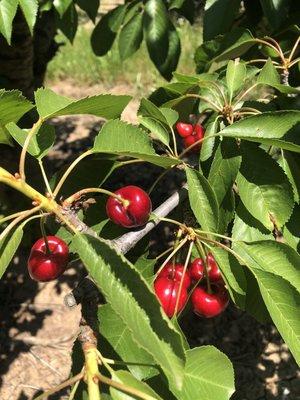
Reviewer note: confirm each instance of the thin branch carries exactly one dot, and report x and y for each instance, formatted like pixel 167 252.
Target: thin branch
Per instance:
pixel 294 49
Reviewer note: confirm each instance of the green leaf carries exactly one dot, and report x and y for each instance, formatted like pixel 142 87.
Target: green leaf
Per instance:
pixel 90 7
pixel 131 36
pixel 127 379
pixel 145 266
pixel 118 137
pixel 291 232
pixel 8 247
pixel 264 188
pixel 161 37
pixel 50 104
pixel 274 257
pixel 116 332
pixel 105 32
pixel 149 109
pixel 208 375
pixel 235 76
pixel 233 274
pixel 40 143
pixel 131 298
pixel 208 144
pixel 203 201
pixel 230 46
pixel 223 11
pixel 62 6
pixel 275 128
pixel 224 168
pixel 30 10
pixel 290 163
pixel 248 229
pixel 157 129
pixel 13 105
pixel 283 304
pixel 269 76
pixel 68 23
pixel 8 9
pixel 170 115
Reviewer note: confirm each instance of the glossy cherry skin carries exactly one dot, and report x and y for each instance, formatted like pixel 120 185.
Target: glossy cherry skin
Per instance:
pixel 45 267
pixel 184 129
pixel 136 213
pixel 210 305
pixel 197 269
pixel 197 134
pixel 214 272
pixel 176 273
pixel 166 290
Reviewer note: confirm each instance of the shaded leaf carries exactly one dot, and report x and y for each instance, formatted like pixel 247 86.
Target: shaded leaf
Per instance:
pixel 131 36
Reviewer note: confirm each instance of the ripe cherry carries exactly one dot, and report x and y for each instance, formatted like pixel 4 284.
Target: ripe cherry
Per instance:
pixel 135 209
pixel 167 291
pixel 197 269
pixel 214 272
pixel 45 266
pixel 176 273
pixel 210 305
pixel 184 129
pixel 197 134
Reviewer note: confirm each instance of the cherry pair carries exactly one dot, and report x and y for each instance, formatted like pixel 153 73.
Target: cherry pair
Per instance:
pixel 190 134
pixel 206 304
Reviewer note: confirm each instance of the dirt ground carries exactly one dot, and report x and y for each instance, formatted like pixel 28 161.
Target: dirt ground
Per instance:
pixel 38 331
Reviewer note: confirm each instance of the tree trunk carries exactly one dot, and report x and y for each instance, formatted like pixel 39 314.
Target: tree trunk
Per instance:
pixel 24 63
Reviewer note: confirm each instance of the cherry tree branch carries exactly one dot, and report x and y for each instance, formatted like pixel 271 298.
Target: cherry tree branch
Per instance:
pixel 123 243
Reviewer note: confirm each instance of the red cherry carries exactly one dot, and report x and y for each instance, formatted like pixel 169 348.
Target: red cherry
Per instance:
pixel 166 290
pixel 214 272
pixel 136 213
pixel 184 129
pixel 198 131
pixel 43 266
pixel 210 305
pixel 197 134
pixel 197 269
pixel 175 273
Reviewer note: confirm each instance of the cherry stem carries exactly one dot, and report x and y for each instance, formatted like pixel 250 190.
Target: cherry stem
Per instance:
pixel 76 196
pixel 20 218
pixel 172 221
pixel 183 275
pixel 12 216
pixel 181 244
pixel 177 240
pixel 57 388
pixel 45 178
pixel 203 255
pixel 29 136
pixel 294 49
pixel 43 230
pixel 163 253
pixel 158 179
pixel 68 171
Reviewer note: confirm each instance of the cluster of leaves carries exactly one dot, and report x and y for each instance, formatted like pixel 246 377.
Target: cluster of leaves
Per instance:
pixel 155 21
